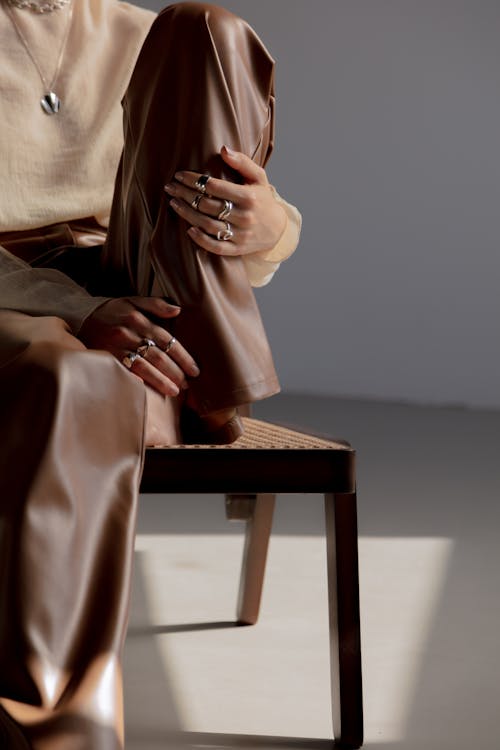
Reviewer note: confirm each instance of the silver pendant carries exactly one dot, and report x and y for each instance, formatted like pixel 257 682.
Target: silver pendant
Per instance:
pixel 50 103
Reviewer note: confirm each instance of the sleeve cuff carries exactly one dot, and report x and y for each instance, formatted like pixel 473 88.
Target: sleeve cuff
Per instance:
pixel 261 267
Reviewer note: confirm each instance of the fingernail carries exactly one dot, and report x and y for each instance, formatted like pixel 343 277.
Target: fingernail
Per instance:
pixel 184 385
pixel 229 150
pixel 179 176
pixel 174 203
pixel 195 370
pixel 170 189
pixel 175 390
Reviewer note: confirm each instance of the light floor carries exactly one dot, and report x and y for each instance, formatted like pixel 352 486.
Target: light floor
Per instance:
pixel 429 522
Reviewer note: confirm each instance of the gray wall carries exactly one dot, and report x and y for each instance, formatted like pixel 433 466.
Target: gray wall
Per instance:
pixel 388 135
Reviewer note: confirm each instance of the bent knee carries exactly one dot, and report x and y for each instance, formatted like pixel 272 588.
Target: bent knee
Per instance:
pixel 196 10
pixel 192 16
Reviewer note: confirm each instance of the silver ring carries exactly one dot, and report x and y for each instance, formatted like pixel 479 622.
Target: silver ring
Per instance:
pixel 228 207
pixel 129 359
pixel 201 183
pixel 144 347
pixel 195 203
pixel 225 234
pixel 170 344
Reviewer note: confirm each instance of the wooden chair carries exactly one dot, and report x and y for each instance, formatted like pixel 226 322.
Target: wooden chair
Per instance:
pixel 267 460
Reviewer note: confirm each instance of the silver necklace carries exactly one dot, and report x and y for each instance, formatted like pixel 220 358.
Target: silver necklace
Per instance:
pixel 35 7
pixel 50 102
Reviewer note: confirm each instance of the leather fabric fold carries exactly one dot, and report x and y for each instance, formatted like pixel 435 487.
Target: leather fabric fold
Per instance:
pixel 203 79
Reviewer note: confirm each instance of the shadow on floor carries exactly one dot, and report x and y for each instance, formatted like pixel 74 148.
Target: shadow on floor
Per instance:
pixel 422 473
pixel 189 627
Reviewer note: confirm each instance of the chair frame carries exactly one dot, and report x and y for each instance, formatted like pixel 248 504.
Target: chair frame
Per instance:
pixel 250 478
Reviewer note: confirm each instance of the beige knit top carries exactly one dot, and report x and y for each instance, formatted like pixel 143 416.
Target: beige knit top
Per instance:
pixel 61 168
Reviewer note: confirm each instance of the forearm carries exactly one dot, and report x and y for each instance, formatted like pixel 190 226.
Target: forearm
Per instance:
pixel 43 291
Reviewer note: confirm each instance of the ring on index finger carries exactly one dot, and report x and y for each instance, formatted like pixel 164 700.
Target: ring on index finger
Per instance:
pixel 201 183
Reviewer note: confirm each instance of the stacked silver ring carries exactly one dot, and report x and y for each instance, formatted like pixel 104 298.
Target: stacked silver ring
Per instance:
pixel 225 234
pixel 144 347
pixel 170 344
pixel 129 359
pixel 228 207
pixel 195 203
pixel 141 351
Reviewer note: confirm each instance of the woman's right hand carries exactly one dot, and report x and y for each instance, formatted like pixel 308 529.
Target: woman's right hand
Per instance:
pixel 121 325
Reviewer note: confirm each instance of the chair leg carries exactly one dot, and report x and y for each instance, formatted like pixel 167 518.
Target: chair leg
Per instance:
pixel 257 511
pixel 343 603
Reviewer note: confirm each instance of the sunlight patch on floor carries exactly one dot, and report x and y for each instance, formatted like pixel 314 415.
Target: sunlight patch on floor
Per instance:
pixel 401 582
pixel 273 679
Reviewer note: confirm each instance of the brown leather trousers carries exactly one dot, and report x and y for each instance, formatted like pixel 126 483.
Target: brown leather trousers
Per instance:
pixel 71 453
pixel 69 469
pixel 214 88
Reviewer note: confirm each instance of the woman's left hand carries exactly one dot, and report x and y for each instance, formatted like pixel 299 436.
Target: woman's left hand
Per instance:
pixel 254 220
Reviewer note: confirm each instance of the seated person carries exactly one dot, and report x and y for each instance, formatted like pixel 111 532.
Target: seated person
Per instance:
pixel 126 315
